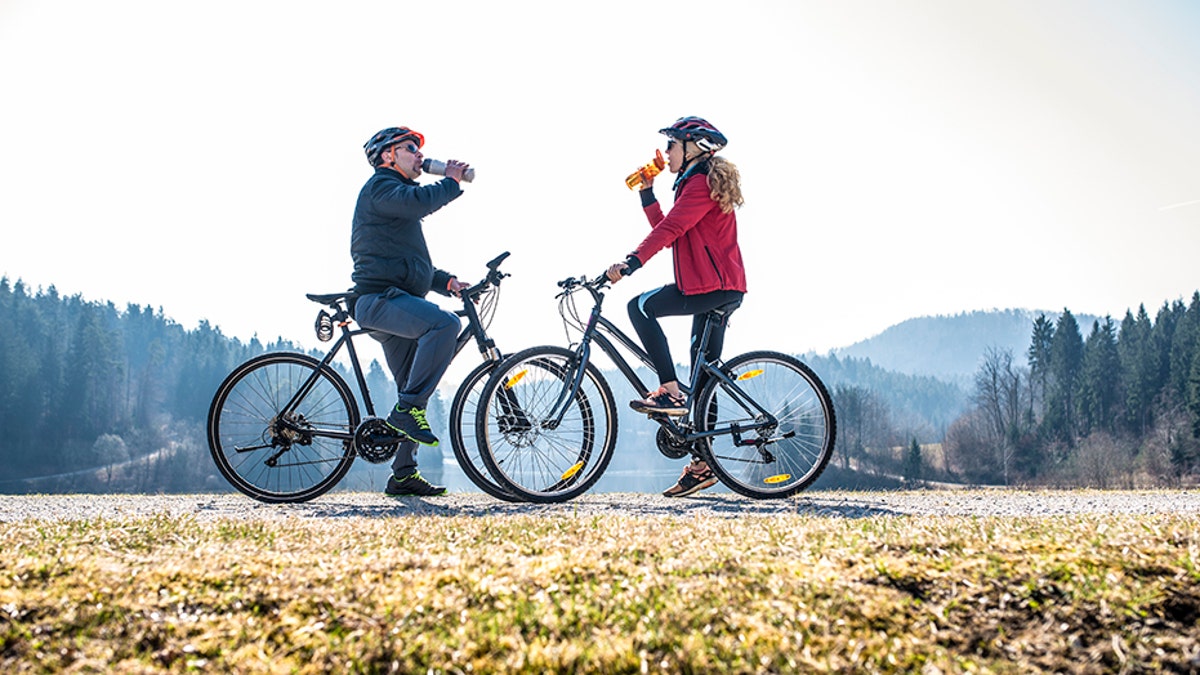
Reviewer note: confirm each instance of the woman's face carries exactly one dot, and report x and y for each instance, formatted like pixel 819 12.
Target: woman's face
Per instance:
pixel 674 155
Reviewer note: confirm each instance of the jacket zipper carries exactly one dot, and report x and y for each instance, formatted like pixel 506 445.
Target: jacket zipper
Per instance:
pixel 712 261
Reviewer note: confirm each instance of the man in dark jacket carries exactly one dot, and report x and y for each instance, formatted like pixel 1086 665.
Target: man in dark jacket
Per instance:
pixel 392 275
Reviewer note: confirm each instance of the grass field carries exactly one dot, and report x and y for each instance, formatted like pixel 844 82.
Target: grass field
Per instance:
pixel 602 595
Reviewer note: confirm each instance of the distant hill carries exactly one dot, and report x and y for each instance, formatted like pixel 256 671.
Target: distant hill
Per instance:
pixel 950 347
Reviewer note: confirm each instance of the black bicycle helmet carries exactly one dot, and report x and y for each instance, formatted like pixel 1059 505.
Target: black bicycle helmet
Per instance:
pixel 698 131
pixel 382 140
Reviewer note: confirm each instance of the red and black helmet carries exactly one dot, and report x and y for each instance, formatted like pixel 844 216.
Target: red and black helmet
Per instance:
pixel 699 131
pixel 382 140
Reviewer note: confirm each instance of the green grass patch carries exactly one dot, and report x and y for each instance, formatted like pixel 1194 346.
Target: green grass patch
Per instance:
pixel 603 595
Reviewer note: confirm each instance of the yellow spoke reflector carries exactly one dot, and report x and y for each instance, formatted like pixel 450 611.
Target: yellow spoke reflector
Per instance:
pixel 512 381
pixel 779 478
pixel 749 374
pixel 572 471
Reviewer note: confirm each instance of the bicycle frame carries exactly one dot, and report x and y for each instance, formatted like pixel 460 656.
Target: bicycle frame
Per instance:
pixel 473 330
pixel 599 330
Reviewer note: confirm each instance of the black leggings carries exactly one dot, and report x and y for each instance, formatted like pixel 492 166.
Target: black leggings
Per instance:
pixel 645 309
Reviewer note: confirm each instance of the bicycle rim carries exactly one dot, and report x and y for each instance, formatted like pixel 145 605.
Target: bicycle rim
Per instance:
pixel 776 461
pixel 522 442
pixel 274 455
pixel 462 432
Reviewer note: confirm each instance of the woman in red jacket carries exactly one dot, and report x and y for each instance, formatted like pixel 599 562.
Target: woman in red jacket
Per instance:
pixel 701 228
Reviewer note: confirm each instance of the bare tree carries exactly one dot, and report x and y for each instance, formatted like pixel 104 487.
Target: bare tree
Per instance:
pixel 1000 398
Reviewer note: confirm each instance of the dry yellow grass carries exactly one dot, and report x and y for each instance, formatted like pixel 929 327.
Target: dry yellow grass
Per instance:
pixel 603 595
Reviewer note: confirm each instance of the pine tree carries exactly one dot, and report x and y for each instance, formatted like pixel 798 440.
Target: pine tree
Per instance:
pixel 1139 366
pixel 913 472
pixel 1066 361
pixel 1039 364
pixel 1100 379
pixel 1183 350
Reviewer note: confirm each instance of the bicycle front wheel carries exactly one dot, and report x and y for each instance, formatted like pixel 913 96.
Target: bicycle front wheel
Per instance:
pixel 543 442
pixel 276 452
pixel 777 422
pixel 462 429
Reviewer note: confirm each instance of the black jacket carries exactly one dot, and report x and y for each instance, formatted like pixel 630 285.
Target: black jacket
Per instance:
pixel 386 241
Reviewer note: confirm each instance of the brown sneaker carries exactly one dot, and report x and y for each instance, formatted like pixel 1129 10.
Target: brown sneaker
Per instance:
pixel 660 403
pixel 696 477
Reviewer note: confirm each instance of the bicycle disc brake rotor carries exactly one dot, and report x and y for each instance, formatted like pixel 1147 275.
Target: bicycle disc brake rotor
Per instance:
pixel 671 445
pixel 375 441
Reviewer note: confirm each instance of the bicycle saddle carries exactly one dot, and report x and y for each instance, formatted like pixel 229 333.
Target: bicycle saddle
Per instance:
pixel 726 309
pixel 330 298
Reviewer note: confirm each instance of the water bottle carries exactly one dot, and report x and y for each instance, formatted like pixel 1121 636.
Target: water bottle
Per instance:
pixel 638 178
pixel 438 168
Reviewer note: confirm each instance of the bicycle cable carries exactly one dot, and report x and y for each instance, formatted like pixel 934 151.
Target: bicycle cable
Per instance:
pixel 569 312
pixel 488 301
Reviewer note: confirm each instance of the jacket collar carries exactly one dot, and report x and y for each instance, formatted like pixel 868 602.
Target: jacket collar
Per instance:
pixel 384 171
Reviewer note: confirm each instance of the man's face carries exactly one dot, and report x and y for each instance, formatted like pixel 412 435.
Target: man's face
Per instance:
pixel 404 157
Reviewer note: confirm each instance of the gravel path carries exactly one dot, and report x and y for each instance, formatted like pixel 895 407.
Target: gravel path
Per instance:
pixel 990 502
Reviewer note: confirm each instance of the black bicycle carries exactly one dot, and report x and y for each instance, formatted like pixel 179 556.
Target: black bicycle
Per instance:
pixel 285 427
pixel 546 425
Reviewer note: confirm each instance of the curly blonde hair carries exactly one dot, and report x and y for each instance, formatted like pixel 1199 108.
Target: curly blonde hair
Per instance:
pixel 725 184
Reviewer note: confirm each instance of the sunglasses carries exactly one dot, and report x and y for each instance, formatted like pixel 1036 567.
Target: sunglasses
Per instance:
pixel 408 147
pixel 671 143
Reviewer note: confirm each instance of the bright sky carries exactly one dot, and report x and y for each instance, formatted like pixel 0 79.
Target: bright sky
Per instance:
pixel 899 159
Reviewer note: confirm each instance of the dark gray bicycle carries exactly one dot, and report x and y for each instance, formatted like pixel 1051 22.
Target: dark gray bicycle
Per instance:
pixel 546 424
pixel 285 427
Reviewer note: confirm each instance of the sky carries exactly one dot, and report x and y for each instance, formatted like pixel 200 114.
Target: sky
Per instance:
pixel 898 159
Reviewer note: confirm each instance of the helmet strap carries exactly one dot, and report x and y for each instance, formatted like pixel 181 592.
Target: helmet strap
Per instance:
pixel 688 164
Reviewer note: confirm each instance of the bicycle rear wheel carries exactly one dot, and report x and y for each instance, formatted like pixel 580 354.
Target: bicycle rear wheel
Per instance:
pixel 274 453
pixel 536 453
pixel 779 460
pixel 462 429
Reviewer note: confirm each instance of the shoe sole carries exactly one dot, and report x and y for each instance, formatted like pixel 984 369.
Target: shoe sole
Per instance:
pixel 673 412
pixel 702 485
pixel 405 435
pixel 413 494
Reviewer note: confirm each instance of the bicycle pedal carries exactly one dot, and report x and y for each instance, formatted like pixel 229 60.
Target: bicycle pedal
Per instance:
pixel 386 438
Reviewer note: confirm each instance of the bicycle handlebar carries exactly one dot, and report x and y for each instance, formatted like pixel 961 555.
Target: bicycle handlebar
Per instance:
pixel 495 262
pixel 493 278
pixel 571 283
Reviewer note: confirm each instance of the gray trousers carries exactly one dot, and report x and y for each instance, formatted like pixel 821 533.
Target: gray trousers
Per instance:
pixel 418 339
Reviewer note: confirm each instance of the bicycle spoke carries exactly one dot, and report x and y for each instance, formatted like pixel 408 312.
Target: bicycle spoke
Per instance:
pixel 544 445
pixel 775 454
pixel 277 454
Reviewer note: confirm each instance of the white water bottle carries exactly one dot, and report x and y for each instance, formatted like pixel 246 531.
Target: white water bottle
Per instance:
pixel 438 168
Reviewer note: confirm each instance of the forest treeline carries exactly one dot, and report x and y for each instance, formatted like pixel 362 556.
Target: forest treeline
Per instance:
pixel 1111 405
pixel 93 397
pixel 96 397
pixel 85 385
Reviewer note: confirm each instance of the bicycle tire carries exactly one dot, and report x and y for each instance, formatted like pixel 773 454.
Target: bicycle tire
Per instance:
pixel 802 443
pixel 260 457
pixel 523 450
pixel 462 426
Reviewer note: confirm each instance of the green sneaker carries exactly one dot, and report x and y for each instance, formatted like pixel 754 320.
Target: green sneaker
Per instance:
pixel 412 486
pixel 412 423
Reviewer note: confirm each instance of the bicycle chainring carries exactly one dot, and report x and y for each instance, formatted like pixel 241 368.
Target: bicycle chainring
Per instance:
pixel 671 445
pixel 375 441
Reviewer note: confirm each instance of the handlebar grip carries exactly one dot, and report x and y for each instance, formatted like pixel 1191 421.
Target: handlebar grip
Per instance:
pixel 497 260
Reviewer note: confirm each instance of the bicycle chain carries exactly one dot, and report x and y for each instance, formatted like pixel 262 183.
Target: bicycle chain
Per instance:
pixel 375 441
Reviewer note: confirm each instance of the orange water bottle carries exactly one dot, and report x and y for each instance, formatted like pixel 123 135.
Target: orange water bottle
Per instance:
pixel 638 178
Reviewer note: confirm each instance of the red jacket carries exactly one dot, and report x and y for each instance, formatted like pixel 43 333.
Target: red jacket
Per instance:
pixel 706 253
